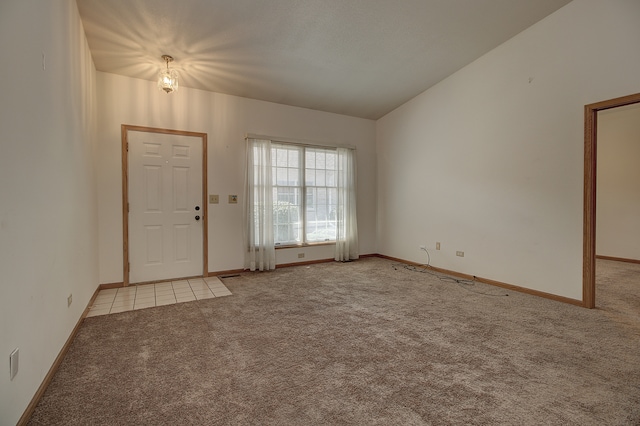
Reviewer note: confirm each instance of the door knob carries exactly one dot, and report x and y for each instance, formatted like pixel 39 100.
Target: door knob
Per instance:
pixel 197 208
pixel 197 217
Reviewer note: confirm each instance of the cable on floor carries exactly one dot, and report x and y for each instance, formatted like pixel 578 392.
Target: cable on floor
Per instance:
pixel 425 269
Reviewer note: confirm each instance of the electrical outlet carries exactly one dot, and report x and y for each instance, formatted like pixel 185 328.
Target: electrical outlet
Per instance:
pixel 233 199
pixel 300 255
pixel 69 300
pixel 460 253
pixel 422 247
pixel 213 199
pixel 13 363
pixel 437 246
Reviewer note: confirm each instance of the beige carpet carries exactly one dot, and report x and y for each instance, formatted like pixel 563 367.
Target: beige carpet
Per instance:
pixel 365 343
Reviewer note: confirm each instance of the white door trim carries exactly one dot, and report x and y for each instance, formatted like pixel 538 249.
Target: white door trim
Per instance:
pixel 125 129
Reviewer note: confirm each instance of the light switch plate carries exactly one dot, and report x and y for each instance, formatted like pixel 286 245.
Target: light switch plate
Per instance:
pixel 233 199
pixel 213 199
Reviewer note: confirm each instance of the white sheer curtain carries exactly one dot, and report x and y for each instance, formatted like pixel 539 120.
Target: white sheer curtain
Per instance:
pixel 261 253
pixel 346 226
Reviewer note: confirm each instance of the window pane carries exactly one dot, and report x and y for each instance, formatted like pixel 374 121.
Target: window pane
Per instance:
pixel 311 218
pixel 310 158
pixel 331 178
pixel 281 176
pixel 294 176
pixel 287 204
pixel 281 157
pixel 332 197
pixel 294 158
pixel 309 177
pixel 287 222
pixel 331 161
pixel 320 220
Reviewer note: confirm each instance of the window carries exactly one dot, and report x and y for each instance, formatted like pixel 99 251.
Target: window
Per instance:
pixel 304 194
pixel 286 164
pixel 321 195
pixel 298 194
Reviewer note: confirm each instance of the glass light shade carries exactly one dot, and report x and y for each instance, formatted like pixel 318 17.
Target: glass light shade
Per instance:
pixel 168 80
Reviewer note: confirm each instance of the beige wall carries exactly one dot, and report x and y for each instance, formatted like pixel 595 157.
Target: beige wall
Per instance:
pixel 618 191
pixel 48 206
pixel 490 161
pixel 226 119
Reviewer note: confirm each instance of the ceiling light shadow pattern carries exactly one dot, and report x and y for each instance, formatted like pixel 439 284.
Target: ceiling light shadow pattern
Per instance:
pixel 355 57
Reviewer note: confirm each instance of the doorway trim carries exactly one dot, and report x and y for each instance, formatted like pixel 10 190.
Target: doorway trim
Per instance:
pixel 590 183
pixel 125 129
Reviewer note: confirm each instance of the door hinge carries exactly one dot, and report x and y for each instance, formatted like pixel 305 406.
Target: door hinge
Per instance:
pixel 128 207
pixel 127 146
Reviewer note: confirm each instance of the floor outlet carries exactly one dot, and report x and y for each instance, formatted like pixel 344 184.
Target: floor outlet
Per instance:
pixel 460 253
pixel 13 363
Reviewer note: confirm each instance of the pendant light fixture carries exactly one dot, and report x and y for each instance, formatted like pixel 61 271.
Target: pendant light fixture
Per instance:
pixel 168 78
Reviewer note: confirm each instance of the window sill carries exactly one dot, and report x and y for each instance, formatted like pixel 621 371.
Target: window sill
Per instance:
pixel 322 243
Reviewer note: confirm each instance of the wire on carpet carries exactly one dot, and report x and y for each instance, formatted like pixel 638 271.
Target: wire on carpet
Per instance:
pixel 425 269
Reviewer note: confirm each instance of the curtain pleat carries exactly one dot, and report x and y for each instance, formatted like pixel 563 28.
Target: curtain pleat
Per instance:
pixel 260 253
pixel 346 226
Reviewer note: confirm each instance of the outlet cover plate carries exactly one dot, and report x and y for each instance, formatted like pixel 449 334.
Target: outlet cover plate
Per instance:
pixel 460 253
pixel 214 199
pixel 233 199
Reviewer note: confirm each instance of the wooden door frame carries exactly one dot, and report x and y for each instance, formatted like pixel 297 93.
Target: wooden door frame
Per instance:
pixel 125 129
pixel 590 183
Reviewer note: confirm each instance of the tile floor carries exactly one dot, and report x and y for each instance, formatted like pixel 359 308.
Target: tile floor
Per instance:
pixel 123 299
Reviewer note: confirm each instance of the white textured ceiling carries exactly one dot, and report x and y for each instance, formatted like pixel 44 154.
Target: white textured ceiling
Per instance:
pixel 361 58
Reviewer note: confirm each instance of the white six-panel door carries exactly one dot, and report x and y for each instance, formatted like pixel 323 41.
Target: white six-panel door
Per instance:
pixel 165 206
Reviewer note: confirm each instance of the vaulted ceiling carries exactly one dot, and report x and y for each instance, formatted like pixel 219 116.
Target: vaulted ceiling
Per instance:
pixel 361 58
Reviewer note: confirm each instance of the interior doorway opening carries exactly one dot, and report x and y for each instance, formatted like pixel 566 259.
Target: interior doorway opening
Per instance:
pixel 590 184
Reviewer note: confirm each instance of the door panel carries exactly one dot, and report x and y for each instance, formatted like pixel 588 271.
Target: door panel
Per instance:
pixel 153 188
pixel 181 242
pixel 164 189
pixel 181 189
pixel 153 245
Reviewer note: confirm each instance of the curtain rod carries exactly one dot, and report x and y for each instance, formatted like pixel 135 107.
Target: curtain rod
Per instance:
pixel 297 141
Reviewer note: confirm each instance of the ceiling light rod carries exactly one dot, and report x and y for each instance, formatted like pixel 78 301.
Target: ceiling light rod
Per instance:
pixel 168 78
